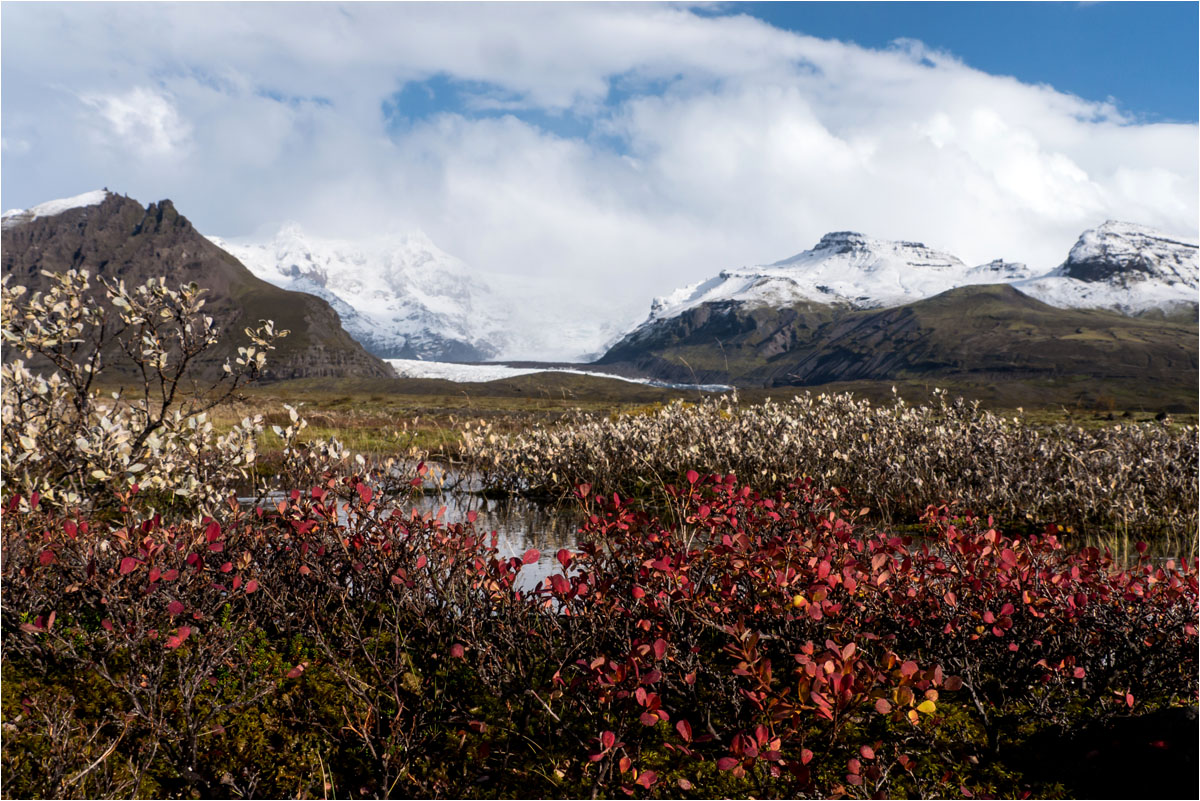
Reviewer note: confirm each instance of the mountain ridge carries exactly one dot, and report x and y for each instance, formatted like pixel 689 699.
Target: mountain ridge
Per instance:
pixel 116 237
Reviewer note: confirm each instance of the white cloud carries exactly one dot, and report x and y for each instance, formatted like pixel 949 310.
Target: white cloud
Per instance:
pixel 140 120
pixel 709 142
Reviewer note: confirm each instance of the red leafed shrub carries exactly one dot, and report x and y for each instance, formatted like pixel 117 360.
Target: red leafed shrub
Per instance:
pixel 739 644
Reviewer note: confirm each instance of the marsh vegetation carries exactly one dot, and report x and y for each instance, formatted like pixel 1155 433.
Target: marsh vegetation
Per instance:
pixel 813 597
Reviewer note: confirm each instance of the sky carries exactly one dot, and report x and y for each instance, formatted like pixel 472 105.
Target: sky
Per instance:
pixel 615 151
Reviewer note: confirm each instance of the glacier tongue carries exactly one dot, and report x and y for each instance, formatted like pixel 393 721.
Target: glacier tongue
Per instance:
pixel 402 297
pixel 399 294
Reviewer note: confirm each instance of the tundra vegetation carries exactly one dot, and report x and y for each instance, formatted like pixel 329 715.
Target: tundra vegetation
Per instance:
pixel 1112 484
pixel 724 626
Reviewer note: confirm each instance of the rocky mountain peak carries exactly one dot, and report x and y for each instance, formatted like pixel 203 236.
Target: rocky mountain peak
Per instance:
pixel 1124 253
pixel 16 217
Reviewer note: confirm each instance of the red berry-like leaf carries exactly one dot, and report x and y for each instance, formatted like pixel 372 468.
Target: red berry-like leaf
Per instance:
pixel 175 640
pixel 647 778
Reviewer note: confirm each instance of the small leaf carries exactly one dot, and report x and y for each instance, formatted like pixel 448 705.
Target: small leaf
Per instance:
pixel 295 672
pixel 607 739
pixel 692 476
pixel 729 763
pixel 128 565
pixel 251 586
pixel 176 639
pixel 531 556
pixel 926 707
pixel 175 608
pixel 647 778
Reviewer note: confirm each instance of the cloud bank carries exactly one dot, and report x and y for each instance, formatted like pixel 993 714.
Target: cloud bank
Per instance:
pixel 612 151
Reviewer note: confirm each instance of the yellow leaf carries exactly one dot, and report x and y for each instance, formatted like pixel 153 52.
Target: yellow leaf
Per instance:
pixel 926 707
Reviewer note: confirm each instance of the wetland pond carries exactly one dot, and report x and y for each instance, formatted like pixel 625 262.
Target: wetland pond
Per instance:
pixel 520 524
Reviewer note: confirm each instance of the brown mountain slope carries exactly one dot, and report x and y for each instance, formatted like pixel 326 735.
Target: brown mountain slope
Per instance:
pixel 978 334
pixel 119 239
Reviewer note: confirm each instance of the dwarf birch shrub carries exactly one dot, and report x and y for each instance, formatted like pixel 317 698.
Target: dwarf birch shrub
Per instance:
pixel 1131 480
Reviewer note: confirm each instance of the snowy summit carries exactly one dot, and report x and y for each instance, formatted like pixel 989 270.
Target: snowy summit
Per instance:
pixel 52 207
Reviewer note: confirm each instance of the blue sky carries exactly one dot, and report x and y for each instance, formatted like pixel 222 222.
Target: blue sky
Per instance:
pixel 1143 54
pixel 621 150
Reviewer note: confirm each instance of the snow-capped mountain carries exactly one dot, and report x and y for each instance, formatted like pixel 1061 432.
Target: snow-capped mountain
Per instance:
pixel 1119 266
pixel 51 208
pixel 405 298
pixel 400 295
pixel 1125 267
pixel 844 268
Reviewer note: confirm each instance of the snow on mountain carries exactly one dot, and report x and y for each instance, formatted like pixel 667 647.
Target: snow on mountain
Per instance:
pixel 399 295
pixel 52 207
pixel 1120 266
pixel 844 268
pixel 1124 267
pixel 403 297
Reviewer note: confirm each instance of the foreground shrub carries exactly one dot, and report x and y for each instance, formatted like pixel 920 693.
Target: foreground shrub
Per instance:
pixel 761 645
pixel 1126 481
pixel 71 446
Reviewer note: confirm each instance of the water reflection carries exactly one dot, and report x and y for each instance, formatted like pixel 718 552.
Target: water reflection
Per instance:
pixel 519 526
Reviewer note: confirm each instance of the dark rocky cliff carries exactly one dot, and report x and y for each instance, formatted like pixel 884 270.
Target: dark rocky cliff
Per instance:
pixel 121 239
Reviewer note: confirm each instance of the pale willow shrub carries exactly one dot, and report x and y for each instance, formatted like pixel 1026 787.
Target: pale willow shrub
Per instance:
pixel 65 441
pixel 1127 480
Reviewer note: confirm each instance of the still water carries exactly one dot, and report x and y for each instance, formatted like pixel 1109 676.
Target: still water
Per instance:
pixel 519 524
